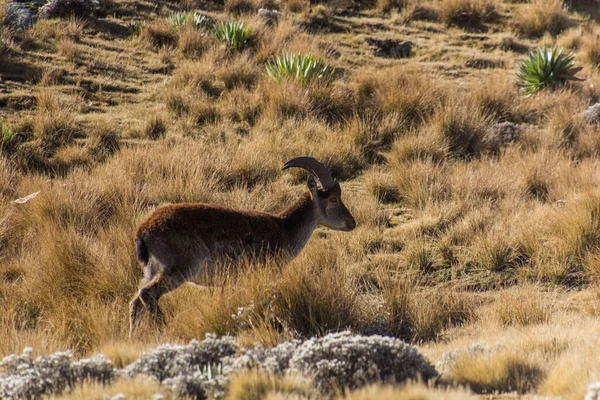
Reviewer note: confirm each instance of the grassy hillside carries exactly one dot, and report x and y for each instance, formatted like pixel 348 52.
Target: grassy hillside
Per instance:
pixel 478 207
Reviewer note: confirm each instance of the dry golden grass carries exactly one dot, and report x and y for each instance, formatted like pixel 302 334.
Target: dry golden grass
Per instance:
pixel 468 13
pixel 408 392
pixel 541 16
pixel 257 386
pixel 462 236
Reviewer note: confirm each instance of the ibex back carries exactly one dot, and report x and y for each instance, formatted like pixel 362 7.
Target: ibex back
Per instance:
pixel 180 242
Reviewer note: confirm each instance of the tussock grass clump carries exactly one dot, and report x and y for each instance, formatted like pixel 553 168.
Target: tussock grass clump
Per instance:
pixel 158 34
pixel 410 391
pixel 54 121
pixel 104 140
pixel 241 72
pixel 382 187
pixel 424 316
pixel 410 94
pixel 71 29
pixel 312 306
pixel 522 307
pixel 468 13
pixel 589 49
pixel 238 7
pixel 541 16
pixel 156 128
pixel 257 385
pixel 497 371
pixel 192 42
pixel 460 129
pixel 386 6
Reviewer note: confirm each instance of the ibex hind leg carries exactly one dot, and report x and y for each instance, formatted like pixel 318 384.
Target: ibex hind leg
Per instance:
pixel 136 311
pixel 137 306
pixel 151 293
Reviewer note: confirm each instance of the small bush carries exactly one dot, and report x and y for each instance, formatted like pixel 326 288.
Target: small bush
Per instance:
pixel 590 49
pixel 238 7
pixel 156 128
pixel 461 129
pixel 541 16
pixel 424 316
pixel 233 35
pixel 26 377
pixel 493 372
pixel 386 6
pixel 104 141
pixel 467 13
pixel 341 360
pixel 302 68
pixel 546 68
pixel 192 43
pixel 55 128
pixel 522 307
pixel 158 34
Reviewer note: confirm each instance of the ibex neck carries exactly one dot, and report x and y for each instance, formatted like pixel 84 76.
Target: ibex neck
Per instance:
pixel 299 221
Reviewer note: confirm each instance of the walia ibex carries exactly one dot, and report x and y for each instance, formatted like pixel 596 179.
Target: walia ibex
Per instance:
pixel 180 242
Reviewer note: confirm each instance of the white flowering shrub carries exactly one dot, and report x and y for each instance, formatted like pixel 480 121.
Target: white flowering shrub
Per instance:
pixel 342 360
pixel 199 385
pixel 172 361
pixel 24 377
pixel 200 370
pixel 277 359
pixel 68 8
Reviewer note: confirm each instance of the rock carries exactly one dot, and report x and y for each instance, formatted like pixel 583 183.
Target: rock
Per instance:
pixel 390 48
pixel 271 16
pixel 592 114
pixel 502 134
pixel 18 16
pixel 68 8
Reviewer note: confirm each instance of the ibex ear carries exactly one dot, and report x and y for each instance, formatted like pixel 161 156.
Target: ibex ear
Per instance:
pixel 312 186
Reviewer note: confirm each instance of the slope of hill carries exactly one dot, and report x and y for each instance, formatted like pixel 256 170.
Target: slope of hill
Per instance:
pixel 478 207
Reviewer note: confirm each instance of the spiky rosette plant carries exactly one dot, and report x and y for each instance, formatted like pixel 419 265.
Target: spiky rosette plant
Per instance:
pixel 546 68
pixel 302 68
pixel 233 35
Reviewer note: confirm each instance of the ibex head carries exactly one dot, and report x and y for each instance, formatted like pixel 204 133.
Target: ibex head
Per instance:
pixel 326 195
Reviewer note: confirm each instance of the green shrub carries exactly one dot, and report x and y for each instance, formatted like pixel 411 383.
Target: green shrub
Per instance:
pixel 546 68
pixel 302 68
pixel 233 35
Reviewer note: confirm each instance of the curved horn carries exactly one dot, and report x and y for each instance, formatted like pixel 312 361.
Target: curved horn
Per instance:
pixel 321 173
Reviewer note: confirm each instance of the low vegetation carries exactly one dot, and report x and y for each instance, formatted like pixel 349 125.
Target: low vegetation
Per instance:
pixel 470 164
pixel 546 68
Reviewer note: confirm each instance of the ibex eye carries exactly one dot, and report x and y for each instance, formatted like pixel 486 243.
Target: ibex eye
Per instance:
pixel 333 200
